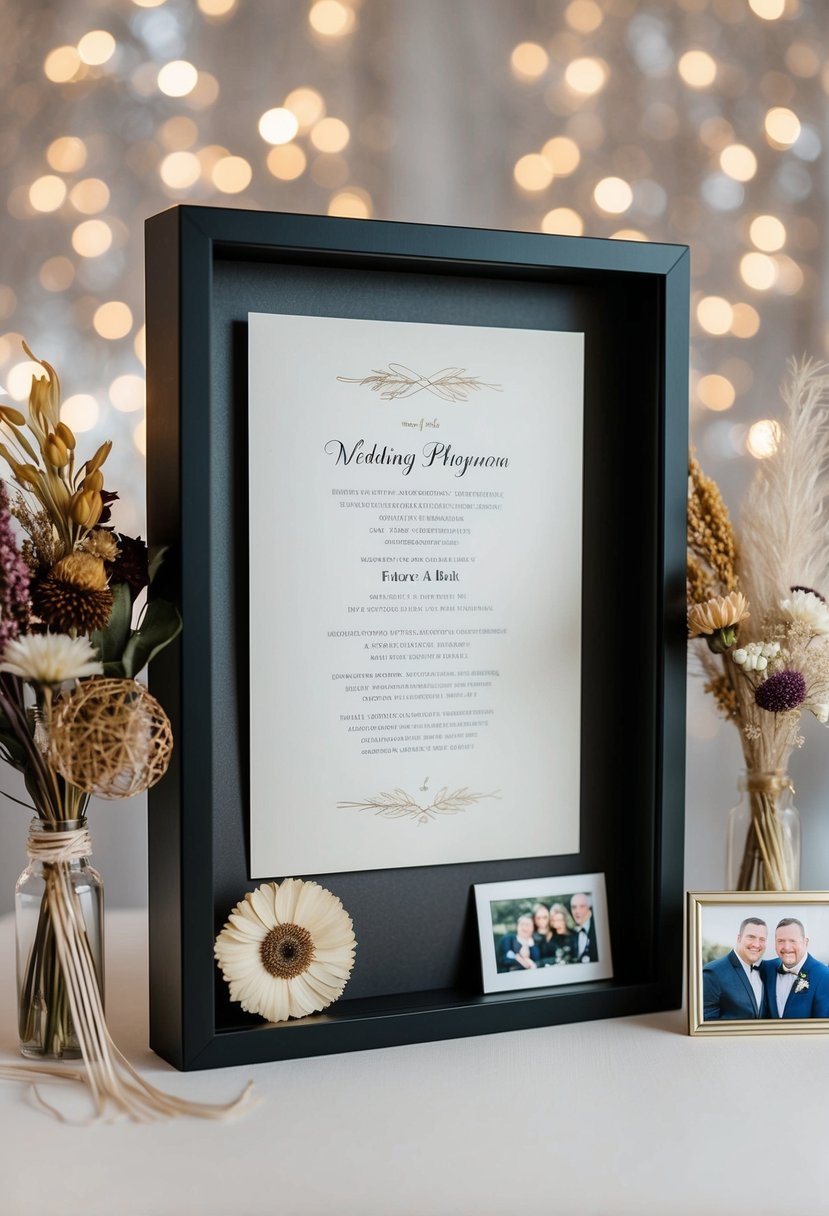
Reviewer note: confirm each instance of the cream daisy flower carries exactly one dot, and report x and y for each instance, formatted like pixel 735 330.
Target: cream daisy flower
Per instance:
pixel 809 608
pixel 286 950
pixel 50 658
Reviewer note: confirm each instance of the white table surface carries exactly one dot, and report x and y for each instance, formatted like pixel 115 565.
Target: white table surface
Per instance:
pixel 624 1116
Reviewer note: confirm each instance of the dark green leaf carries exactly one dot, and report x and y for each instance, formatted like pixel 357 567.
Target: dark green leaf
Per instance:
pixel 110 642
pixel 156 557
pixel 160 623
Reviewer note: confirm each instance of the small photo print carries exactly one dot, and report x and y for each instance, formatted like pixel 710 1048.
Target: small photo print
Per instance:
pixel 540 932
pixel 758 962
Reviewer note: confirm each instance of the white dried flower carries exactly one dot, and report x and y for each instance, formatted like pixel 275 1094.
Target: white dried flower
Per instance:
pixel 50 658
pixel 821 711
pixel 809 608
pixel 287 949
pixel 739 656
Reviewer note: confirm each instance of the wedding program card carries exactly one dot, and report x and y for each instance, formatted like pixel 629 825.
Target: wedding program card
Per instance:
pixel 415 593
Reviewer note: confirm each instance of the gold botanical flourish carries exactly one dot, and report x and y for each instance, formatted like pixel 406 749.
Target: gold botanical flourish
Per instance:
pixel 397 380
pixel 399 805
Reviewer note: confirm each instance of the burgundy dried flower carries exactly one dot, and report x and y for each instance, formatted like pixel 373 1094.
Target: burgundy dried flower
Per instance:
pixel 14 579
pixel 131 564
pixel 108 497
pixel 782 691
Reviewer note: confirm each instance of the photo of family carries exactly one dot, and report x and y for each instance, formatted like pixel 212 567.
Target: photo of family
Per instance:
pixel 543 932
pixel 556 930
pixel 763 959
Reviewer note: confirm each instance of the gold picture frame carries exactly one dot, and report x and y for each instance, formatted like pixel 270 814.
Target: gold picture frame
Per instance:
pixel 726 928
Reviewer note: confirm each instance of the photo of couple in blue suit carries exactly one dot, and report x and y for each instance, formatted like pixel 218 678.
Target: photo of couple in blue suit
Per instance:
pixel 744 985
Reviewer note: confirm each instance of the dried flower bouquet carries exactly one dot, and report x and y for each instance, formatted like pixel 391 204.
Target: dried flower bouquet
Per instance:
pixel 758 613
pixel 73 720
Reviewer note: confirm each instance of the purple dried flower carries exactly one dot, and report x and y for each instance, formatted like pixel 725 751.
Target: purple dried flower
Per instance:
pixel 784 690
pixel 14 579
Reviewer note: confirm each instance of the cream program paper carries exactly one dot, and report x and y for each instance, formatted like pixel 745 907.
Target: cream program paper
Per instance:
pixel 415 593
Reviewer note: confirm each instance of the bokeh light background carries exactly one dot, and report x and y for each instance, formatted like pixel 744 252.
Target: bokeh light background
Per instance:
pixel 693 121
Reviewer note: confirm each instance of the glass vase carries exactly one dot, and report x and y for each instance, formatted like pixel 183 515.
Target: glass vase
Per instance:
pixel 45 1023
pixel 763 841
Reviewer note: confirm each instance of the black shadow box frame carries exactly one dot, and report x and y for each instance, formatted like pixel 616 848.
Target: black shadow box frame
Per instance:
pixel 417 973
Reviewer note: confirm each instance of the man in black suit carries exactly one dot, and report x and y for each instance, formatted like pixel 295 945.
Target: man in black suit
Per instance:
pixel 732 986
pixel 587 950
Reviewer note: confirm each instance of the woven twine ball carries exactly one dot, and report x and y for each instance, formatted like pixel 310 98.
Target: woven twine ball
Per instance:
pixel 111 737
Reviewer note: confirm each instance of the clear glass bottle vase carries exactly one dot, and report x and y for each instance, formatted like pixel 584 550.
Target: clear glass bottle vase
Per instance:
pixel 45 1023
pixel 763 840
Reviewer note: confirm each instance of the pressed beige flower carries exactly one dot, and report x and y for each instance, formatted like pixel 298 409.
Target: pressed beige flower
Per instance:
pixel 723 612
pixel 286 950
pixel 50 658
pixel 809 608
pixel 102 544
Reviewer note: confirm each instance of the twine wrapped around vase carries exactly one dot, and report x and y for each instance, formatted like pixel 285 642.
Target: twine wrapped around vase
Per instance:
pixel 111 1079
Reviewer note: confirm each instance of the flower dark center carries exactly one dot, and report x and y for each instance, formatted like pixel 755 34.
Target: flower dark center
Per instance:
pixel 287 951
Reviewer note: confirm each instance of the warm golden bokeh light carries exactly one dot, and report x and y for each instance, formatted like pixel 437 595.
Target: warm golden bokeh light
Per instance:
pixel 179 133
pixel 529 60
pixel 697 68
pixel 533 172
pixel 330 135
pixel 716 392
pixel 89 196
pixel 613 195
pixel 278 126
pixel 768 233
pixel 738 162
pixel 47 192
pixel 178 78
pixel 231 174
pixel 205 93
pixel 782 127
pixel 128 393
pixel 139 437
pixel 92 238
pixel 287 162
pixel 745 321
pixel 62 64
pixel 180 170
pixel 802 59
pixel 351 204
pixel 563 221
pixel 769 10
pixel 763 438
pixel 628 234
pixel 790 276
pixel 307 105
pixel 80 412
pixel 113 320
pixel 758 270
pixel 586 76
pixel 715 314
pixel 19 379
pixel 96 47
pixel 149 3
pixel 66 154
pixel 57 274
pixel 583 16
pixel 217 8
pixel 331 18
pixel 140 346
pixel 562 154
